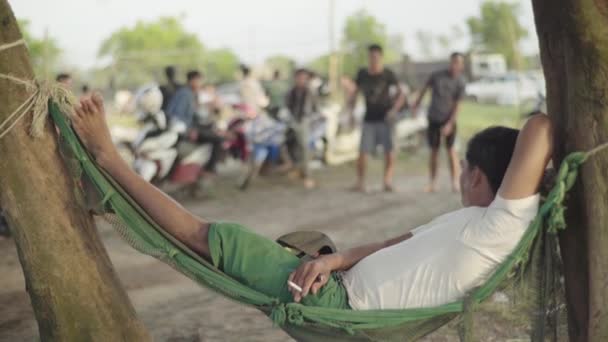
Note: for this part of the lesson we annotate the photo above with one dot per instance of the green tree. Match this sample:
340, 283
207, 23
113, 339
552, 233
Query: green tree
360, 30
320, 65
221, 65
44, 52
498, 30
284, 64
139, 53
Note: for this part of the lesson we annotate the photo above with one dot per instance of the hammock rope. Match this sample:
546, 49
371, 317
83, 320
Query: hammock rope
37, 102
302, 322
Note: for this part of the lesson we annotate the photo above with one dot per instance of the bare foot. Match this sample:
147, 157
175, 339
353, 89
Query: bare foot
431, 188
90, 124
309, 183
358, 188
294, 174
455, 187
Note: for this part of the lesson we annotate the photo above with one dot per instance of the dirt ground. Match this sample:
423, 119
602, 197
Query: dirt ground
175, 309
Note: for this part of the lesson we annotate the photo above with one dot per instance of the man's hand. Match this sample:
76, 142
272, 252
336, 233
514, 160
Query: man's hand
312, 275
447, 129
414, 110
193, 135
391, 117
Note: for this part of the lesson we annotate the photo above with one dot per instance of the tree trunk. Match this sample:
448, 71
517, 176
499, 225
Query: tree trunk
73, 289
573, 37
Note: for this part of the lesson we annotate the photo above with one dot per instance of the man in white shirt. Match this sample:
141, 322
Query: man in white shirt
434, 264
251, 91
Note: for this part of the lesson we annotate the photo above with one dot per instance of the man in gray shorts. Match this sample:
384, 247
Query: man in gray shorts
447, 88
383, 98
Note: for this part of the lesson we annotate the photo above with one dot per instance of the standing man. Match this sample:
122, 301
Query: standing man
169, 89
383, 98
276, 89
302, 105
447, 88
251, 90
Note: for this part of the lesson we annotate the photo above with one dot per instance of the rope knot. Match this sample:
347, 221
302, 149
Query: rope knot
557, 220
172, 252
278, 315
294, 315
107, 197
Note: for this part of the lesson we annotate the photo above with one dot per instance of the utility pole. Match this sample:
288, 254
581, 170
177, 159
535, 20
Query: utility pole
45, 55
333, 59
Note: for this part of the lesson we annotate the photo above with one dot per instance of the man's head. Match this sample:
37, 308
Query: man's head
170, 73
245, 70
276, 75
195, 80
302, 78
374, 57
488, 155
65, 79
456, 63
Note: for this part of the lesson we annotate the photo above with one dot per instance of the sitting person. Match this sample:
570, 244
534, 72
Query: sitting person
434, 264
266, 136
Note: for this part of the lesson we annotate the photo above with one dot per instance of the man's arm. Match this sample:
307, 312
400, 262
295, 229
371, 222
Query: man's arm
399, 102
400, 98
448, 127
350, 257
416, 105
313, 275
532, 153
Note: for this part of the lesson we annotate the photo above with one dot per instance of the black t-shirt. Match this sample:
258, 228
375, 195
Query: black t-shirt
301, 103
377, 92
168, 90
446, 92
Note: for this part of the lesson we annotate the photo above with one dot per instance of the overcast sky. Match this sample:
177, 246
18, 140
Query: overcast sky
254, 29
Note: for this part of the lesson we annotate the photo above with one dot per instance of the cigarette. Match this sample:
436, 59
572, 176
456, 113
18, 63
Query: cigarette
294, 286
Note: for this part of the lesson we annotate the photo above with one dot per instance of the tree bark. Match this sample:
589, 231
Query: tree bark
73, 288
573, 36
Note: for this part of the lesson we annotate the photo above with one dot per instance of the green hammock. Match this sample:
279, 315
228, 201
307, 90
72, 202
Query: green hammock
306, 323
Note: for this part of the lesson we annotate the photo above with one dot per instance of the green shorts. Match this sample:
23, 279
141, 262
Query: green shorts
264, 265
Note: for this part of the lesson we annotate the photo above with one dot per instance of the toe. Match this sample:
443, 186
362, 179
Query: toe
90, 109
78, 110
97, 101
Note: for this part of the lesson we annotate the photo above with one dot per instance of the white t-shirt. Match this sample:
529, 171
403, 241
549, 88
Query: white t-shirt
443, 260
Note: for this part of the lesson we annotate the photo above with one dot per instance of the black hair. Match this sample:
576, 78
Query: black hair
170, 72
491, 150
375, 48
62, 77
245, 70
192, 74
302, 71
456, 54
85, 88
276, 74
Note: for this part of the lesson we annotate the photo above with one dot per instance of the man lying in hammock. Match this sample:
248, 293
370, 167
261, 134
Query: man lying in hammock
434, 264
